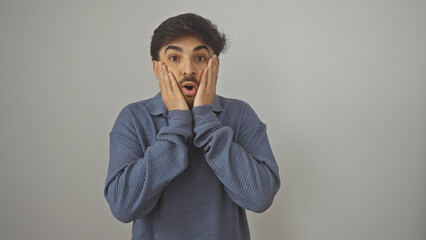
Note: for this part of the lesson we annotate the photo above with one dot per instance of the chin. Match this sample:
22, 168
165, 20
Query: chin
189, 101
190, 104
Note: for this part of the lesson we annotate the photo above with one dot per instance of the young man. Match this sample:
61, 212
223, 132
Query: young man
186, 163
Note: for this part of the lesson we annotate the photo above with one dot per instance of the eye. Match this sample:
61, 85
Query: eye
173, 58
200, 58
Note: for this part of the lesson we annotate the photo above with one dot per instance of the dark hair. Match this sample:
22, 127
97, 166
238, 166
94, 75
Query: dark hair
188, 24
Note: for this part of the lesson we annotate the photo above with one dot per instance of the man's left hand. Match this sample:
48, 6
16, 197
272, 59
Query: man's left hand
207, 88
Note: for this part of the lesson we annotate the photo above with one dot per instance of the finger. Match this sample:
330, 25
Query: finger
159, 77
174, 84
208, 72
210, 80
166, 80
215, 71
204, 76
159, 74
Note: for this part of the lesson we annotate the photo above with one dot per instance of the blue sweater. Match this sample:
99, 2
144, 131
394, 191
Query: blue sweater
189, 174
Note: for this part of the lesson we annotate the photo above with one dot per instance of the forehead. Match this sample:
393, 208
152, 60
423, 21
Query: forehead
186, 43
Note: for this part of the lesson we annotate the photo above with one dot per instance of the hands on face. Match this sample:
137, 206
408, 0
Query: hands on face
171, 92
207, 88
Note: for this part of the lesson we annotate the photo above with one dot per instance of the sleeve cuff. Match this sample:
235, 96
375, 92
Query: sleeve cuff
205, 122
180, 123
181, 119
204, 117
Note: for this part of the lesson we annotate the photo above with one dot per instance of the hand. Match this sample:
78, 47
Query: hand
207, 88
170, 91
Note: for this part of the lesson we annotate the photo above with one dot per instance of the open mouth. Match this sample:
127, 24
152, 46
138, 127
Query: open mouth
189, 88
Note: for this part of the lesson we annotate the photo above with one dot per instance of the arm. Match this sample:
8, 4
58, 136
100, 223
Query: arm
246, 167
136, 178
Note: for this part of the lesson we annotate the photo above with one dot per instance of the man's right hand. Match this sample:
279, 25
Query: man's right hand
170, 91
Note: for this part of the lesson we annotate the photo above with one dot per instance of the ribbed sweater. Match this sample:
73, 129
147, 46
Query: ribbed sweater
189, 174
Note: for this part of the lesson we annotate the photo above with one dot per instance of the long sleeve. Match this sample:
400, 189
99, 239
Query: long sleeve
245, 163
137, 176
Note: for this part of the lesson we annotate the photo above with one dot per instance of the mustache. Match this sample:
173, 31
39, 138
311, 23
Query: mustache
188, 79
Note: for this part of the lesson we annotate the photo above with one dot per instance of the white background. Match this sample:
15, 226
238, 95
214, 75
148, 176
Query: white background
341, 86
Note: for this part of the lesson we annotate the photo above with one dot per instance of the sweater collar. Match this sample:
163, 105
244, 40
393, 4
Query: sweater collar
156, 105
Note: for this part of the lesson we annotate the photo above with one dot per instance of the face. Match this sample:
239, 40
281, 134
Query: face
186, 59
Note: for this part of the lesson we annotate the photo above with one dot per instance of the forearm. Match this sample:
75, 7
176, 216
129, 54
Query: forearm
249, 173
135, 190
134, 184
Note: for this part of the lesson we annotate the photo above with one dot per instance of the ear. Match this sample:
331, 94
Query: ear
154, 67
154, 64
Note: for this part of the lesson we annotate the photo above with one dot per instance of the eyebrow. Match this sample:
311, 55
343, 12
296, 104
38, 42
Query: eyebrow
172, 47
180, 49
201, 47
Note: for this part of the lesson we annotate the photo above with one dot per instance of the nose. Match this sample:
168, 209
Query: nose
188, 68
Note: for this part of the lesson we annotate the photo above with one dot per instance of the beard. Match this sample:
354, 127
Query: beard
189, 99
188, 79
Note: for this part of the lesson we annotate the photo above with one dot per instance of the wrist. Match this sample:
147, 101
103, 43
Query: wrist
204, 116
181, 119
205, 124
176, 106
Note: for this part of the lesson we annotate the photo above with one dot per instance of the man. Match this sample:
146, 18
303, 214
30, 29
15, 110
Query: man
186, 163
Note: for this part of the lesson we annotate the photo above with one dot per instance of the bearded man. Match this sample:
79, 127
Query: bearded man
187, 163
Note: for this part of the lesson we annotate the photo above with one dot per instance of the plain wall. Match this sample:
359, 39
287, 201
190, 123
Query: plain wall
341, 86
